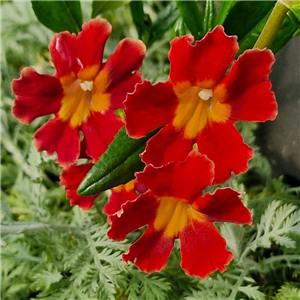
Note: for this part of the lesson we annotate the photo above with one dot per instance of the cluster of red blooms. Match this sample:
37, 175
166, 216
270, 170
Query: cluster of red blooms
206, 93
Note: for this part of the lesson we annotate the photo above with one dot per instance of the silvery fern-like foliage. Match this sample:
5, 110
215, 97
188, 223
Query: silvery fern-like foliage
277, 223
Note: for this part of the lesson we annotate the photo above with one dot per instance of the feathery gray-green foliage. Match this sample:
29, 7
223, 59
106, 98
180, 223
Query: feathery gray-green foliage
50, 250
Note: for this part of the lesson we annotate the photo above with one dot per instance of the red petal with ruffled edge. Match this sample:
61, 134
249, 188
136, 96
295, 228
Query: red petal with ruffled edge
118, 93
203, 249
185, 180
150, 252
247, 87
204, 64
119, 195
124, 62
58, 136
165, 146
70, 53
149, 107
224, 205
224, 145
99, 131
133, 215
70, 178
37, 95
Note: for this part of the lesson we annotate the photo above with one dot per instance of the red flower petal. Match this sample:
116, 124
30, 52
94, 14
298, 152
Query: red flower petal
120, 195
247, 87
63, 54
37, 95
150, 252
99, 131
165, 146
182, 180
205, 63
70, 53
224, 205
60, 137
224, 145
124, 62
70, 178
203, 249
119, 92
149, 107
134, 215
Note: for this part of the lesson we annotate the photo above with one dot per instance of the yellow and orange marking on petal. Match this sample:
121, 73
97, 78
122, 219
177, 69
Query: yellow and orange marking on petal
173, 214
82, 94
196, 108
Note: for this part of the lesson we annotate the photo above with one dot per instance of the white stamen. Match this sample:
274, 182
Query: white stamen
86, 85
205, 94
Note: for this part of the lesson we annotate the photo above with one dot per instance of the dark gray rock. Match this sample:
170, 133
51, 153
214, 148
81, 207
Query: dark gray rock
280, 139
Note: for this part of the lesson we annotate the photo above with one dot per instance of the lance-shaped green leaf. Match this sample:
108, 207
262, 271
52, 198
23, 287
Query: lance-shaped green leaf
99, 7
226, 6
178, 28
59, 15
245, 15
116, 166
208, 16
141, 20
166, 18
190, 13
294, 12
285, 33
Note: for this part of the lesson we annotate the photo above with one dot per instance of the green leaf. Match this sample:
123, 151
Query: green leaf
244, 16
116, 166
99, 7
59, 15
224, 11
166, 18
141, 20
190, 13
248, 41
208, 16
247, 22
286, 32
178, 28
295, 9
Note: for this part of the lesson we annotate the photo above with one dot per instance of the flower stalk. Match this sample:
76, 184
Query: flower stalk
272, 26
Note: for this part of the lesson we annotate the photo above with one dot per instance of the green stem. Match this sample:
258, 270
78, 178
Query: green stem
272, 26
37, 227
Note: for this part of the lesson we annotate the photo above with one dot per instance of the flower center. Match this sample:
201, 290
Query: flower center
193, 115
205, 94
81, 97
86, 85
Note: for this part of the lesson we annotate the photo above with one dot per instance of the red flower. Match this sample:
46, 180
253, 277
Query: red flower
83, 94
121, 194
70, 178
174, 207
201, 102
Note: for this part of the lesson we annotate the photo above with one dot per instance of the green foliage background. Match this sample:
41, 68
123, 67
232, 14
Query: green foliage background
50, 250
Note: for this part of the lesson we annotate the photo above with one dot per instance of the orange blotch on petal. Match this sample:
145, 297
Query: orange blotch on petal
172, 216
75, 103
102, 81
197, 106
221, 93
83, 95
89, 73
100, 102
219, 112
